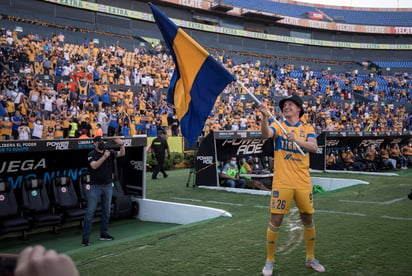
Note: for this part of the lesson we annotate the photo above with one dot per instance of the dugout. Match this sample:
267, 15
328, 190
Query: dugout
219, 146
339, 140
45, 159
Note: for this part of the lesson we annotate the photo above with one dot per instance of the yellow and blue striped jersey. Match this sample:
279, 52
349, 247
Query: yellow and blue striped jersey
291, 168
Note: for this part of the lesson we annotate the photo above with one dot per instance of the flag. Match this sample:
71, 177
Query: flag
197, 80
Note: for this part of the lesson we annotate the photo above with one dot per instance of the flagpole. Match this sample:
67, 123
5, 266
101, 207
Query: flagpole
271, 115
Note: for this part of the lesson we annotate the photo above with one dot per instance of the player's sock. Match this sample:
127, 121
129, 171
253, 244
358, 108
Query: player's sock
272, 235
309, 234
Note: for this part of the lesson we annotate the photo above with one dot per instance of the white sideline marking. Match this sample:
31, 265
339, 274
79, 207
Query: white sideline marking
293, 227
341, 213
393, 201
225, 203
374, 202
357, 172
187, 199
260, 206
396, 218
209, 201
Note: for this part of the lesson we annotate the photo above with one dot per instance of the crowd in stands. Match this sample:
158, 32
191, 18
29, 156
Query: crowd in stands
371, 158
51, 89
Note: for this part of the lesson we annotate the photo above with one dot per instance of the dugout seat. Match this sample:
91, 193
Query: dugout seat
122, 205
36, 205
84, 187
65, 200
11, 217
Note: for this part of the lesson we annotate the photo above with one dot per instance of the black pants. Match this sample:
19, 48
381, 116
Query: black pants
111, 131
159, 166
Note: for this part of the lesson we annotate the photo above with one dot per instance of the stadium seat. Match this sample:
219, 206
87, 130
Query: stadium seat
122, 205
65, 199
36, 205
11, 219
84, 187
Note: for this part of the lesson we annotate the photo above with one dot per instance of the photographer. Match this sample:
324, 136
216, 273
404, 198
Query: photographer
101, 165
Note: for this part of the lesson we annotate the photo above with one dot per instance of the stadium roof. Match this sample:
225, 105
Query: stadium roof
393, 4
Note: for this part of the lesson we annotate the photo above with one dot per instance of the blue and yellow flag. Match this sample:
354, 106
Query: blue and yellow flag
197, 80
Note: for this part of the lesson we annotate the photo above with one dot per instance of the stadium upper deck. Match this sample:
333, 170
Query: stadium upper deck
351, 16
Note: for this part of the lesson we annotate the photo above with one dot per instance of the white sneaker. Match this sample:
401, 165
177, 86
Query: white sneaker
315, 265
267, 269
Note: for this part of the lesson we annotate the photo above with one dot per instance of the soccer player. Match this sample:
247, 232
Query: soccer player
291, 180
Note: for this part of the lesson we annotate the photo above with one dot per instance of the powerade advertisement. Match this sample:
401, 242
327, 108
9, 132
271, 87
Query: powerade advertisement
219, 146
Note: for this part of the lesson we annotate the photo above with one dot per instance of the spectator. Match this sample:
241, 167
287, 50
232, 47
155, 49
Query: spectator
50, 133
113, 123
83, 134
386, 161
370, 158
37, 129
407, 151
73, 127
16, 120
396, 154
24, 131
174, 125
98, 131
6, 128
333, 161
245, 168
230, 175
350, 161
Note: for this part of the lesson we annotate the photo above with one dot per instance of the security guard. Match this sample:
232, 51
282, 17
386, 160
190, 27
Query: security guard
158, 148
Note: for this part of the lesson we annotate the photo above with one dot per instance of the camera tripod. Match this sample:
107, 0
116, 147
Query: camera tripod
194, 172
189, 177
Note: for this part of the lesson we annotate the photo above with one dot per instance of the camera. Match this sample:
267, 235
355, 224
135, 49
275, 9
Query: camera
410, 195
113, 153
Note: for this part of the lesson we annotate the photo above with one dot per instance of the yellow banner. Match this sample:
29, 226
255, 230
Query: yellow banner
175, 143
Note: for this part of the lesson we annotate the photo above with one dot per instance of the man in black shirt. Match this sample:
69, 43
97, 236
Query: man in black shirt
158, 148
101, 168
174, 125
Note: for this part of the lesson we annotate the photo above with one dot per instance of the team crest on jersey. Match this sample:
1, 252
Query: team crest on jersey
302, 133
275, 194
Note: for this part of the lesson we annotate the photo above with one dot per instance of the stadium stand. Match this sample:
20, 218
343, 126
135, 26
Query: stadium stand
120, 84
381, 18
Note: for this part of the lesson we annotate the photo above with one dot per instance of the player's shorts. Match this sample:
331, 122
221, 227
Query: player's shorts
281, 200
